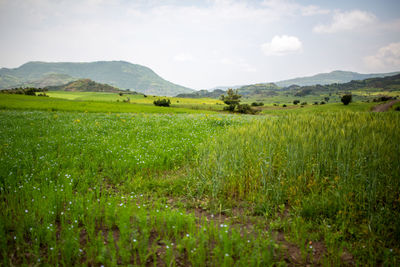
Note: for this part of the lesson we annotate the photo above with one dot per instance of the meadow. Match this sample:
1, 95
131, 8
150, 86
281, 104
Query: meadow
191, 103
316, 185
23, 102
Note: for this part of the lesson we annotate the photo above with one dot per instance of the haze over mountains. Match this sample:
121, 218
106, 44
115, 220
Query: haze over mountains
125, 75
120, 74
336, 76
384, 82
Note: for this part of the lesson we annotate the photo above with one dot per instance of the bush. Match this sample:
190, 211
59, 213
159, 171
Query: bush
257, 104
162, 102
346, 99
322, 103
229, 108
284, 105
245, 109
383, 98
304, 103
296, 101
316, 103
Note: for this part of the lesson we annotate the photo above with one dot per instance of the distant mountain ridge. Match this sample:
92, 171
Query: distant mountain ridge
121, 74
386, 83
336, 76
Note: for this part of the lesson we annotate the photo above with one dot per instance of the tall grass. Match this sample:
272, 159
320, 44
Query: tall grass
338, 169
76, 189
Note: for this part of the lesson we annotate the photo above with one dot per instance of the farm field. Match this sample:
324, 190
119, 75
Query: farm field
199, 103
57, 104
126, 184
288, 97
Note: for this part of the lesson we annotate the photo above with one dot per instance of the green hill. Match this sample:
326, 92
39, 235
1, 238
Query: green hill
258, 89
332, 77
203, 93
389, 83
121, 74
84, 85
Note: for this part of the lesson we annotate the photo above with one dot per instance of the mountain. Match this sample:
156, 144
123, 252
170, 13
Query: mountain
331, 77
388, 83
204, 93
51, 79
119, 74
84, 85
224, 88
258, 89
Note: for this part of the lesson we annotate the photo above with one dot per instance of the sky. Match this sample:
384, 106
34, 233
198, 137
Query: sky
210, 43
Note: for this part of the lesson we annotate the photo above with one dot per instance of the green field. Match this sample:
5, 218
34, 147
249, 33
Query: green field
58, 104
97, 182
199, 103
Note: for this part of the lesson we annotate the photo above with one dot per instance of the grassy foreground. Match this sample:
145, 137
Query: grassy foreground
57, 104
198, 189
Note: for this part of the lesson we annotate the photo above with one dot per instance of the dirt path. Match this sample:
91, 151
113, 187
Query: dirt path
385, 106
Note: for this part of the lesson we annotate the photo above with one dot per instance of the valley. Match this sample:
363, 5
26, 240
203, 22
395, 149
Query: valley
93, 177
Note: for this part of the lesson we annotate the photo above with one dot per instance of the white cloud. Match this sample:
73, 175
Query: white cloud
386, 59
282, 45
313, 10
347, 21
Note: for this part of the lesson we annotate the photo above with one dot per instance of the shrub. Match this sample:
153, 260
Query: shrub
322, 103
383, 98
316, 103
229, 108
346, 99
257, 104
162, 102
296, 101
304, 103
284, 105
245, 109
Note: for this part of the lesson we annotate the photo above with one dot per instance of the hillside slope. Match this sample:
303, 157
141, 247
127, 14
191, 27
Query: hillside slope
84, 85
121, 74
332, 77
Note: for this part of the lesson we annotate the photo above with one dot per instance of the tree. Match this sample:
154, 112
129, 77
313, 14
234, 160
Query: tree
346, 99
232, 99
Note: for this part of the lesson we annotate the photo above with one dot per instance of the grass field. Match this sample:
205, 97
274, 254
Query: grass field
58, 104
198, 103
135, 184
288, 98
